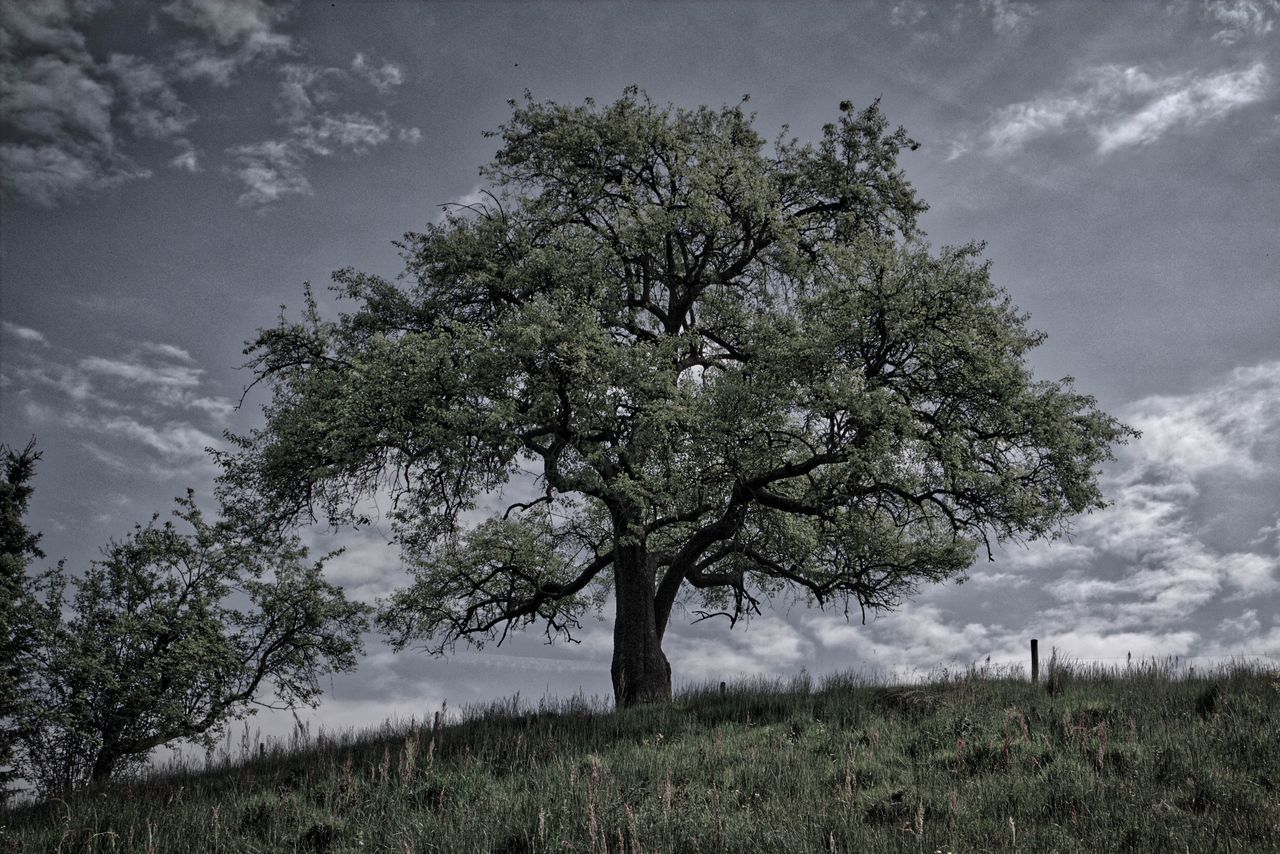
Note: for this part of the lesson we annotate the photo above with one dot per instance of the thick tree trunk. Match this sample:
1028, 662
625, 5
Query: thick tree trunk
641, 673
103, 767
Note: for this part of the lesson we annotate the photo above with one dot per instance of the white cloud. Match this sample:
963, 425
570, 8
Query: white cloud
24, 333
918, 633
219, 408
306, 103
175, 441
907, 13
765, 646
270, 170
1122, 107
1005, 17
187, 161
1146, 576
201, 62
249, 23
1111, 646
354, 132
136, 372
304, 89
1038, 554
168, 351
1190, 103
236, 33
1240, 19
45, 25
1008, 16
1155, 567
1232, 425
145, 411
384, 77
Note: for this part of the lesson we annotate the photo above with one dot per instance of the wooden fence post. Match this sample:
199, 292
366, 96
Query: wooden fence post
1035, 660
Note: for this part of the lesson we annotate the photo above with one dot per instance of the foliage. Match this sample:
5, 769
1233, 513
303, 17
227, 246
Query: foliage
169, 637
969, 762
18, 547
735, 374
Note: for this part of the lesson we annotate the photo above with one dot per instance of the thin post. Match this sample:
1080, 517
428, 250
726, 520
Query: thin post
1035, 660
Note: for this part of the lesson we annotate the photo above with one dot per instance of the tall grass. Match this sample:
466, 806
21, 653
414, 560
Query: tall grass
1146, 757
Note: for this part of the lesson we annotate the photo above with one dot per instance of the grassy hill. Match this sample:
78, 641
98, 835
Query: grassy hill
1091, 761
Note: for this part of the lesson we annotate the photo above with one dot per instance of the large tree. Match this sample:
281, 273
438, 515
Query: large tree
168, 637
734, 371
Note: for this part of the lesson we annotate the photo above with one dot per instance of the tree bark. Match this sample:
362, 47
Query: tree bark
641, 673
103, 766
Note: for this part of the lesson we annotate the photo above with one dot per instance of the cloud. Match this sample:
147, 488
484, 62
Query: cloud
270, 170
187, 161
1149, 575
1154, 565
907, 13
71, 120
930, 21
24, 333
766, 646
168, 351
354, 132
65, 115
307, 103
1008, 16
927, 635
55, 112
174, 441
384, 77
1232, 425
150, 107
148, 410
1241, 19
1191, 103
137, 373
235, 33
1121, 108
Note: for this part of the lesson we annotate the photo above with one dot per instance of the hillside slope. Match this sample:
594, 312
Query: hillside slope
1093, 761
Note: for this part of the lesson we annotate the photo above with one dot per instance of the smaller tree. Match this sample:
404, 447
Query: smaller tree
19, 545
169, 637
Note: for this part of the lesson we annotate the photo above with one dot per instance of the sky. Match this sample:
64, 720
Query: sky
171, 174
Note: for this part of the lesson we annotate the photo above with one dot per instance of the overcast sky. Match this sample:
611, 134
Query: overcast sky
173, 173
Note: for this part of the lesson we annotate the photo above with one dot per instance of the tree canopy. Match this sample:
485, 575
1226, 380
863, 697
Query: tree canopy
170, 636
735, 370
19, 545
